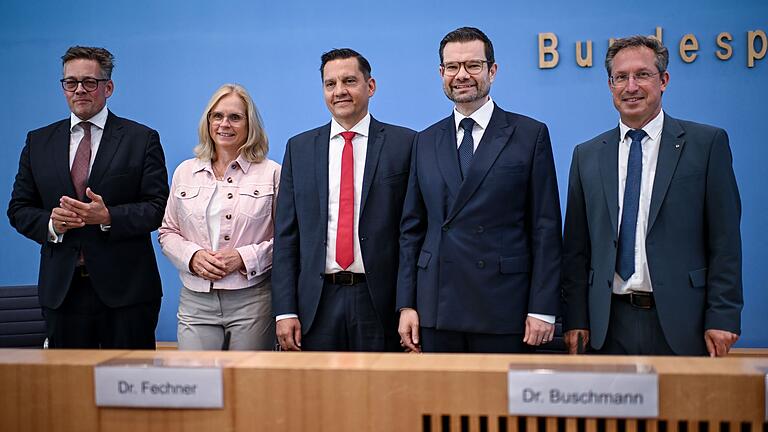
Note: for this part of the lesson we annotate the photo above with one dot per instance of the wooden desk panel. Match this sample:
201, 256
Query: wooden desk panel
52, 390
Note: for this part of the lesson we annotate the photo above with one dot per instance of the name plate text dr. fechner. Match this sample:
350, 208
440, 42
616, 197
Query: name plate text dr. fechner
153, 385
630, 391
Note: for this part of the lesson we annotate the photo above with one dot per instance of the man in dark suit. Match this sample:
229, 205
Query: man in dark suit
652, 249
337, 221
480, 235
90, 189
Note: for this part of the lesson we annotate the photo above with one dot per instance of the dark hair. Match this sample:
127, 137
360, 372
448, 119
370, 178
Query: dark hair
659, 50
469, 34
345, 53
105, 58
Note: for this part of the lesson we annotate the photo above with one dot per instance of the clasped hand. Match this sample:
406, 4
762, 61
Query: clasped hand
214, 265
72, 213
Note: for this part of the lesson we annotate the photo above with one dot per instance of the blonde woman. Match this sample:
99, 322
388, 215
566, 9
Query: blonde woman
218, 229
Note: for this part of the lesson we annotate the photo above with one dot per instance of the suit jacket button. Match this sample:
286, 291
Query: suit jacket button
229, 179
255, 192
229, 195
183, 194
363, 238
446, 228
226, 238
481, 264
253, 273
229, 216
479, 229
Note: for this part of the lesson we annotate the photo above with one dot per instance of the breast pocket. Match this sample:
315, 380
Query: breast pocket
255, 200
189, 202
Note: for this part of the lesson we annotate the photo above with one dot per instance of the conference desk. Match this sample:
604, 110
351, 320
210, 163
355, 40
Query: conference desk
53, 390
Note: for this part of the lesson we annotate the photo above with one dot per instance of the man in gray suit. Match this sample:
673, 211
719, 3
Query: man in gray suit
652, 245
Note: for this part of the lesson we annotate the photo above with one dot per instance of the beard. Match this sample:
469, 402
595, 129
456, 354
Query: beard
481, 90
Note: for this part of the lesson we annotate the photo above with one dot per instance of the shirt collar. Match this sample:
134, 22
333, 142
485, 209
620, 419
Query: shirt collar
482, 116
100, 119
361, 128
205, 165
652, 129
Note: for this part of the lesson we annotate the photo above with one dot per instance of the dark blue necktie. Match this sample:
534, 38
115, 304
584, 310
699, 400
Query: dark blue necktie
467, 147
625, 258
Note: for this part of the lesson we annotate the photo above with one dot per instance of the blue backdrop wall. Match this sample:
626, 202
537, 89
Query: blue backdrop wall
171, 56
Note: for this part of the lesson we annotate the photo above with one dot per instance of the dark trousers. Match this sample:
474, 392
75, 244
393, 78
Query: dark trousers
347, 321
634, 331
446, 341
84, 321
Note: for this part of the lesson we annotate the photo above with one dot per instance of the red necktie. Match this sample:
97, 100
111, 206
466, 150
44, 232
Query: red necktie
345, 254
79, 171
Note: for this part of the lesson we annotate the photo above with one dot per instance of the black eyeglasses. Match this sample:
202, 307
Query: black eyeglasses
473, 67
89, 84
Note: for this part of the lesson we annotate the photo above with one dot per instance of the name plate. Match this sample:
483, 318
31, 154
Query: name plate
583, 391
157, 384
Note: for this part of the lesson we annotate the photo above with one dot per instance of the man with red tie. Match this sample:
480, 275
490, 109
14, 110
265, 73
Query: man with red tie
90, 189
337, 221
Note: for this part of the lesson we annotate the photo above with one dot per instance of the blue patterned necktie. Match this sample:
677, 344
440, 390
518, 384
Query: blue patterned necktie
625, 258
467, 147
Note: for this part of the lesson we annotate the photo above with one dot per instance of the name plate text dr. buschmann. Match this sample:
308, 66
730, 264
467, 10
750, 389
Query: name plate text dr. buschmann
153, 385
583, 391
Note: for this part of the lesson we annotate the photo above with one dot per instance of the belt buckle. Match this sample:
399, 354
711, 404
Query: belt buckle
344, 278
640, 301
82, 271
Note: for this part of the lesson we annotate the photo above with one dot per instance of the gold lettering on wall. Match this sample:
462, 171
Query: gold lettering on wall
548, 50
726, 51
757, 48
688, 47
581, 60
753, 55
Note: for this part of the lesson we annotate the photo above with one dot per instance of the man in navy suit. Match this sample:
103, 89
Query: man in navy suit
480, 234
90, 189
337, 221
652, 248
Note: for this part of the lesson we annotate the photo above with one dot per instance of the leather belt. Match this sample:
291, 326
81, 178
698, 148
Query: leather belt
344, 278
640, 300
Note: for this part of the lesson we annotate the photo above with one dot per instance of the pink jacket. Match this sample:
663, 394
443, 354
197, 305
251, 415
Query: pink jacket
247, 219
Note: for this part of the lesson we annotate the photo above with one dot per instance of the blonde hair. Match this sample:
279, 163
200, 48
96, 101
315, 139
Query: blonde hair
256, 146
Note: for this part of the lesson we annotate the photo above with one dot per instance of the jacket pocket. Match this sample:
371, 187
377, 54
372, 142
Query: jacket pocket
698, 278
424, 258
518, 264
255, 199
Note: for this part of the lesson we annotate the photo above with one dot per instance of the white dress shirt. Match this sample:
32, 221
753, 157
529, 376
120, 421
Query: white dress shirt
76, 133
482, 116
335, 148
640, 280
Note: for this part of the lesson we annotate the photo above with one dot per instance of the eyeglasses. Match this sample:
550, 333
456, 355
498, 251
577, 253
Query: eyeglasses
89, 84
218, 118
621, 80
473, 67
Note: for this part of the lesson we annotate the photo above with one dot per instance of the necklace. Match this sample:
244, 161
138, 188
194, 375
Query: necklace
216, 173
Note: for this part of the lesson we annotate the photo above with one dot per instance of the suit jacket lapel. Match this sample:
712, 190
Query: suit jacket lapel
321, 170
60, 140
110, 142
495, 138
448, 157
375, 143
671, 147
609, 171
